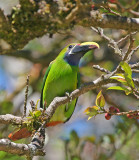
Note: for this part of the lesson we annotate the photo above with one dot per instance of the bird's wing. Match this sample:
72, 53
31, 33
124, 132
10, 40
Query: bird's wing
78, 85
44, 80
78, 80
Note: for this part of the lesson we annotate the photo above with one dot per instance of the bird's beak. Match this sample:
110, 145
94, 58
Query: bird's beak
84, 47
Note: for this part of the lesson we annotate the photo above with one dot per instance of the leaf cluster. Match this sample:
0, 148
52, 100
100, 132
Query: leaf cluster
125, 79
98, 109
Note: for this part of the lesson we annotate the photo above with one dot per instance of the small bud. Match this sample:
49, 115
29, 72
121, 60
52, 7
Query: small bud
93, 6
117, 110
137, 115
112, 109
107, 116
129, 116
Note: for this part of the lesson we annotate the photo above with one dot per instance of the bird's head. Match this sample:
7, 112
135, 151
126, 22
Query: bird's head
74, 52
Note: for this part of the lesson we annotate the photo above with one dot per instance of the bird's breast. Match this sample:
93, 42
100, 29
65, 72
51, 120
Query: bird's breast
61, 79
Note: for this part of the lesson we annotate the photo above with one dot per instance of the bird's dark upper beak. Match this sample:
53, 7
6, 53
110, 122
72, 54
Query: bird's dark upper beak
84, 47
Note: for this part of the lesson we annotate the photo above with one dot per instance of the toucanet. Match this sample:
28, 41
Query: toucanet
61, 77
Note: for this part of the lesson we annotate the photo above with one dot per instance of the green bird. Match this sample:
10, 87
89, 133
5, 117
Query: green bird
62, 76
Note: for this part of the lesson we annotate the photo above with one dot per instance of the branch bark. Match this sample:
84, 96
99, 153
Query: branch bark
19, 149
11, 119
115, 22
24, 22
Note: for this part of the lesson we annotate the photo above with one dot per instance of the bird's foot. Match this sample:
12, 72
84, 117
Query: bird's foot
68, 96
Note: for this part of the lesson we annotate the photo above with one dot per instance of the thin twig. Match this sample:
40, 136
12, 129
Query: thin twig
134, 12
136, 93
32, 103
125, 113
125, 57
106, 6
125, 38
101, 69
123, 9
112, 43
134, 66
135, 70
26, 96
132, 52
74, 11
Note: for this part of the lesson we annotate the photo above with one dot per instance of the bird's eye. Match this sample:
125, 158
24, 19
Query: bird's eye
70, 46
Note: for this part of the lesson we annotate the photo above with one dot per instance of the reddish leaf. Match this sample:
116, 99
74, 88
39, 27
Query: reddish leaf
21, 133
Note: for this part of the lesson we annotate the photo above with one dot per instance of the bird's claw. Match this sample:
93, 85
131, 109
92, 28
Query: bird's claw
68, 96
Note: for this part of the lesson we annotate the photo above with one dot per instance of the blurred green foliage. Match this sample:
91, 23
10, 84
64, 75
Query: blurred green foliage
7, 156
120, 144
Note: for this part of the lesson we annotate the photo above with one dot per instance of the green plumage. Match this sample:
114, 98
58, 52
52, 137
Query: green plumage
60, 78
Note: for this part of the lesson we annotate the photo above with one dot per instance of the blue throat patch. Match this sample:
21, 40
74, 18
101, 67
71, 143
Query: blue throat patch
73, 59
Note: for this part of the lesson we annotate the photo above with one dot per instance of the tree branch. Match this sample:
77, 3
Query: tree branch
18, 28
26, 96
112, 43
11, 119
114, 22
101, 69
135, 66
20, 149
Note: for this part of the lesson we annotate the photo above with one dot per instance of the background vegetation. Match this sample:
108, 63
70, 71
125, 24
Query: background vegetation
32, 33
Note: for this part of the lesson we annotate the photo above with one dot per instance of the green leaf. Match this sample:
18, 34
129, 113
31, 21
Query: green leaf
118, 88
128, 74
92, 111
74, 137
31, 113
37, 104
89, 118
73, 141
100, 101
126, 68
127, 91
120, 79
120, 74
129, 81
37, 113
